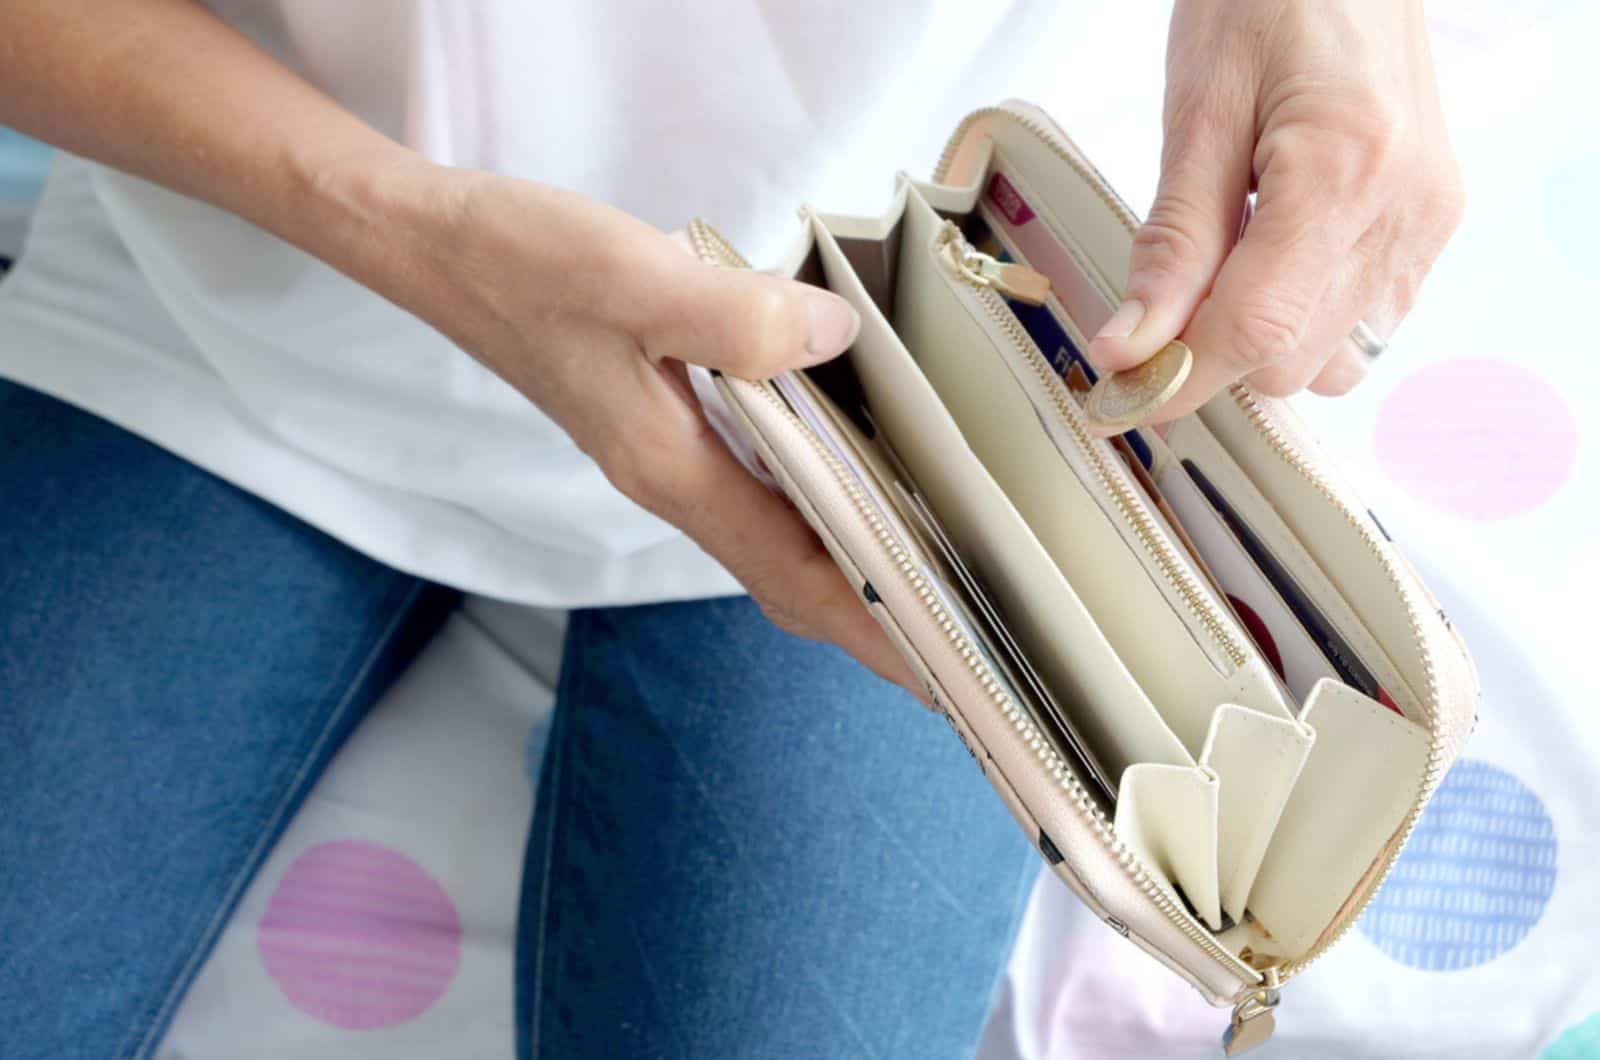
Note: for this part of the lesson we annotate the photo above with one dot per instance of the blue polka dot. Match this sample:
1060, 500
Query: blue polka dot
1572, 215
1581, 1041
1475, 877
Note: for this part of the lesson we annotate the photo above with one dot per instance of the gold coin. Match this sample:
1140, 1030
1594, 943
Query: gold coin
1125, 399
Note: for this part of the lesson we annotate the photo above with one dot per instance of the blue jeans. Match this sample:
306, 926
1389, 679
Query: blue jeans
744, 845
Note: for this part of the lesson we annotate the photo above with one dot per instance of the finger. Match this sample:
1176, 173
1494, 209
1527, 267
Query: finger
1351, 361
744, 323
1409, 253
775, 555
756, 535
680, 239
1363, 288
1194, 222
1330, 354
697, 485
1343, 373
1261, 310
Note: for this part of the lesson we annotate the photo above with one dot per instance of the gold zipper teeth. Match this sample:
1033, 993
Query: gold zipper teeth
710, 247
1432, 771
1269, 433
713, 249
1019, 720
1181, 580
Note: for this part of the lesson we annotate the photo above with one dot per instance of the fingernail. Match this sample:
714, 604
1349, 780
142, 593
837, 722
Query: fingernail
1123, 321
831, 324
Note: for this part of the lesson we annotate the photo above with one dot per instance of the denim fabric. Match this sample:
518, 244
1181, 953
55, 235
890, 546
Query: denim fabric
178, 661
745, 845
24, 163
23, 166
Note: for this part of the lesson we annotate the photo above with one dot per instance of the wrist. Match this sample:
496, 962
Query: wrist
378, 213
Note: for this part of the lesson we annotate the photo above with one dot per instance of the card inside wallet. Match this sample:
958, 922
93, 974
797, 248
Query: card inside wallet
1154, 602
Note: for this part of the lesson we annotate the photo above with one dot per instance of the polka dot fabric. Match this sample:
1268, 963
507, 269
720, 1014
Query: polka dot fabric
359, 936
381, 926
1474, 879
1477, 438
1473, 438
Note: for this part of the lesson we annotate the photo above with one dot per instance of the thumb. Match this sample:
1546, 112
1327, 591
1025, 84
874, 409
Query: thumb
744, 323
1199, 206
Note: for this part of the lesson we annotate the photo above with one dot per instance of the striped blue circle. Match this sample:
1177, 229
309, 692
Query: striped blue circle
1581, 1041
1475, 877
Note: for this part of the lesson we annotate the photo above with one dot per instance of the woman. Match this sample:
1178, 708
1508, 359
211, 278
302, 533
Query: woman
371, 278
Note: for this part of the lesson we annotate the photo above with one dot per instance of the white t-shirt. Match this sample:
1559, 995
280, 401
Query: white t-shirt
246, 356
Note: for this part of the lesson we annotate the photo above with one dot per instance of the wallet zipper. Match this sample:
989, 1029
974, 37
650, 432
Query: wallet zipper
1019, 720
1260, 418
987, 284
1012, 279
713, 249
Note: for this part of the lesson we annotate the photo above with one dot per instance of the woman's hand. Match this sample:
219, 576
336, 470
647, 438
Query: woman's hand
1328, 111
593, 314
585, 310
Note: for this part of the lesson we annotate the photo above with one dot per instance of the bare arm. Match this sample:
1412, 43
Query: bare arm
579, 306
165, 90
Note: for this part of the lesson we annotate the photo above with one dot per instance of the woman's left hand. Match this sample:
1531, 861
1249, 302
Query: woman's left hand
1328, 110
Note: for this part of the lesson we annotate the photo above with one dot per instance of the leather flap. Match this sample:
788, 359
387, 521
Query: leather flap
1359, 783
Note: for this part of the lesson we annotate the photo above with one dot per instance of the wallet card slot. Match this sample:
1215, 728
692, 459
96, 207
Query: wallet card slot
876, 263
1049, 619
1097, 243
1006, 428
1023, 219
1359, 783
1059, 337
1321, 526
1257, 759
901, 507
1072, 840
1168, 816
1078, 209
1208, 828
1077, 376
1190, 439
1076, 199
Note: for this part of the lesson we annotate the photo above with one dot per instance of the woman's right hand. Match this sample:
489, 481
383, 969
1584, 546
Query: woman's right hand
592, 314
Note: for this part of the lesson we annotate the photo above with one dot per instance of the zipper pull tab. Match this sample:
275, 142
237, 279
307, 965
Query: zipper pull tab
1012, 279
1253, 1021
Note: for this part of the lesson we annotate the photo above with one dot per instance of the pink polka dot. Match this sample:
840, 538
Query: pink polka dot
1479, 438
359, 936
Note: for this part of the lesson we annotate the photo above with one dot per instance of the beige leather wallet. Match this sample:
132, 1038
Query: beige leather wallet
1201, 676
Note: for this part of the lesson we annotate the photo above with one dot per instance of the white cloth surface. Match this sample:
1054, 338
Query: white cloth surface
273, 371
1473, 441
